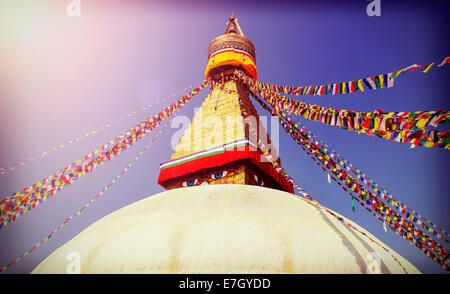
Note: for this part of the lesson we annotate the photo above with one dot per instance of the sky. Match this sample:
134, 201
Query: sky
62, 76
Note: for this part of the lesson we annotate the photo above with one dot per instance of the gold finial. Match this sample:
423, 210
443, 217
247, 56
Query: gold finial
232, 24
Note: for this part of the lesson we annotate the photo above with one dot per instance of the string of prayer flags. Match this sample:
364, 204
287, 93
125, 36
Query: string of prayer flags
404, 231
437, 255
371, 83
377, 119
302, 193
314, 202
14, 206
83, 208
4, 170
367, 199
341, 219
401, 232
377, 189
304, 133
401, 127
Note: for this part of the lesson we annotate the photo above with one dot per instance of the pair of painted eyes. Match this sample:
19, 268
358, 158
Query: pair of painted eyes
258, 180
194, 182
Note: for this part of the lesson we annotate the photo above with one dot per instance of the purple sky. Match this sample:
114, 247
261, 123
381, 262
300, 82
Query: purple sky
64, 76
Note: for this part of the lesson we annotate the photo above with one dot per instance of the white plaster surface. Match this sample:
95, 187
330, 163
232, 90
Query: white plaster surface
222, 229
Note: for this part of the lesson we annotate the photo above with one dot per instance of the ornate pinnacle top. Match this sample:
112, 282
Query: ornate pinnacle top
231, 39
232, 24
232, 50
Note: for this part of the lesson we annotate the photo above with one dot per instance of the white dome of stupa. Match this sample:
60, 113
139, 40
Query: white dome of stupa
223, 229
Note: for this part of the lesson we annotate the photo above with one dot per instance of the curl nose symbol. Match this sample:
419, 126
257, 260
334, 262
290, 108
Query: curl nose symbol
204, 183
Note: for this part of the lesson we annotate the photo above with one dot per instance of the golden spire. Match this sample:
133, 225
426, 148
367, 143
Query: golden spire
232, 24
217, 147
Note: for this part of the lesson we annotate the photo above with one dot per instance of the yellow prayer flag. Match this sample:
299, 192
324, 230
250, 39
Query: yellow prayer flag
376, 123
306, 114
360, 85
428, 67
421, 123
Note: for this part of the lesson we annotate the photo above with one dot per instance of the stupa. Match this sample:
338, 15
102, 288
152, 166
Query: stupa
226, 209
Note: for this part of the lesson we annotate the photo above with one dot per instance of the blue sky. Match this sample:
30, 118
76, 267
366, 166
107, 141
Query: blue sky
63, 76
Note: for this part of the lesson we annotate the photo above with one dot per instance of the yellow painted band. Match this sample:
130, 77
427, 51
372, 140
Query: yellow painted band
232, 58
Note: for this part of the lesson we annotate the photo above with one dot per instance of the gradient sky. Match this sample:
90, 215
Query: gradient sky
63, 76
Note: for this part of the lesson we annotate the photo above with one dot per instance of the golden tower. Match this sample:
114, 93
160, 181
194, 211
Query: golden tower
217, 147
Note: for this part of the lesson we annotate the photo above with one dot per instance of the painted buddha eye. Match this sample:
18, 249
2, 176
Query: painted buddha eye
259, 181
189, 183
218, 175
